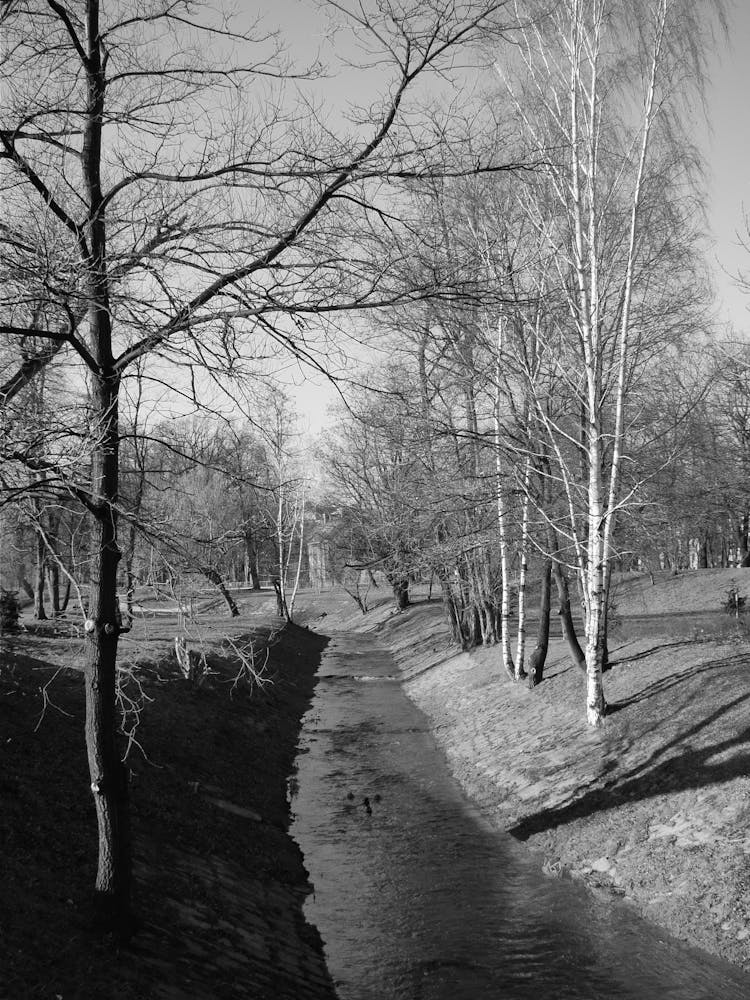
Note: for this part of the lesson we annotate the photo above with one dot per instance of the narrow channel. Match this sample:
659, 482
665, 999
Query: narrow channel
417, 897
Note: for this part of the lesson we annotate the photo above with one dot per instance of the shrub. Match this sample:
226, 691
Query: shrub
734, 602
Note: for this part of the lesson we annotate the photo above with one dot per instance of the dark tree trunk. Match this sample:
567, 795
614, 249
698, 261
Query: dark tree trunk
41, 565
251, 562
474, 624
724, 557
400, 588
280, 603
743, 531
107, 772
454, 618
65, 597
604, 623
451, 609
53, 563
490, 613
214, 577
703, 553
539, 656
53, 585
566, 617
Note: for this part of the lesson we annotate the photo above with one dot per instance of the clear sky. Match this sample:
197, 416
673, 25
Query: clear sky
728, 154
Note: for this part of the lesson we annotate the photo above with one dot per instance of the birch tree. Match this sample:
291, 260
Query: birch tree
502, 518
603, 83
286, 481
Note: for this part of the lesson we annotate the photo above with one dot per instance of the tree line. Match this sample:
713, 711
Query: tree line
202, 505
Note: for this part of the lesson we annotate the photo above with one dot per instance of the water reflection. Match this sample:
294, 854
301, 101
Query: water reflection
418, 897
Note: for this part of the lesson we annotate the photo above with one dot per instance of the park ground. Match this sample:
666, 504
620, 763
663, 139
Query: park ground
653, 808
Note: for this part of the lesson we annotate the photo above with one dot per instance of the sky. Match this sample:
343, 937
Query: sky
727, 147
723, 133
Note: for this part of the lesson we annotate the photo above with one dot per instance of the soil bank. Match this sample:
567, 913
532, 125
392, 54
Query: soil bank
219, 884
654, 807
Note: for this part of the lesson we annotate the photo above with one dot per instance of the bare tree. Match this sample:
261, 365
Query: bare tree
603, 81
372, 476
286, 483
188, 215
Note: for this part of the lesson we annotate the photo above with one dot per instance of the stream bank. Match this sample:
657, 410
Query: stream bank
419, 897
654, 808
219, 883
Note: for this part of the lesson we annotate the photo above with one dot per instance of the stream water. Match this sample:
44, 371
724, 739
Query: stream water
417, 897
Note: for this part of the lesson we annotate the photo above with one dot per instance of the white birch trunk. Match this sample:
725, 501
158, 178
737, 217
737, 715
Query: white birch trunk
584, 54
603, 505
299, 558
505, 650
520, 672
594, 586
281, 547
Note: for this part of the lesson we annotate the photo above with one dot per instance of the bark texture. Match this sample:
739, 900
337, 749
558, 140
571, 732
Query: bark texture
566, 617
538, 656
108, 775
214, 577
400, 587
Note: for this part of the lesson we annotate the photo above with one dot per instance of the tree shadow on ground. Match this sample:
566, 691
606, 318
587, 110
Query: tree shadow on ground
645, 653
673, 766
664, 684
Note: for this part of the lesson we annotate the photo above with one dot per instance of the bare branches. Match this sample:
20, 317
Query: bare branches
7, 139
47, 700
70, 28
29, 368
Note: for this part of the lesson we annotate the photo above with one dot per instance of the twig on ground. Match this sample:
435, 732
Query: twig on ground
47, 701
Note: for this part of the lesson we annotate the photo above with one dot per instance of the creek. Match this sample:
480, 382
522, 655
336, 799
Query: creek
418, 897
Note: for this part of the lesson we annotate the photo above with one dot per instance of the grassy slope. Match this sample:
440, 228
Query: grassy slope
656, 806
219, 883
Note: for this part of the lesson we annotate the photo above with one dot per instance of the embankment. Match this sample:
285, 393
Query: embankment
219, 884
655, 807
